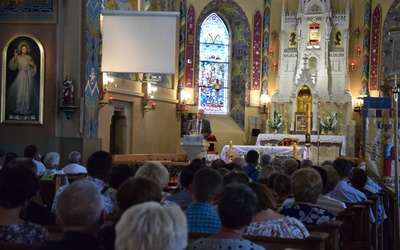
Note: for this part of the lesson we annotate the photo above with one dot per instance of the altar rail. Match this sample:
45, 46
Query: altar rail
165, 159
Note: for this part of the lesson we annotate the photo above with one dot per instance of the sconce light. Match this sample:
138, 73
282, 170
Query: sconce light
181, 107
106, 81
352, 66
274, 34
264, 100
358, 51
270, 52
275, 66
102, 104
357, 32
148, 93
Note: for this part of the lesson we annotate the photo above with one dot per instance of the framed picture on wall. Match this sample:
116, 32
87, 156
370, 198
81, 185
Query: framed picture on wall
300, 122
22, 83
38, 11
292, 39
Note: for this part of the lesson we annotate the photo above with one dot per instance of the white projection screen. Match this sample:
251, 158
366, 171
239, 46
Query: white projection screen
139, 41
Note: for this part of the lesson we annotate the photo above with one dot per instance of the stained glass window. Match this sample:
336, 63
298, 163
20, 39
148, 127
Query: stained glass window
213, 66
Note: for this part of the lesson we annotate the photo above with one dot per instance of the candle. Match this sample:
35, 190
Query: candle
323, 109
286, 109
308, 127
340, 108
331, 108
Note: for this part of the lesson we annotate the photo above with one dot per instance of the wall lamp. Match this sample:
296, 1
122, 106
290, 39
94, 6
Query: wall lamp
107, 80
102, 104
148, 93
358, 51
275, 65
270, 52
352, 64
264, 101
181, 107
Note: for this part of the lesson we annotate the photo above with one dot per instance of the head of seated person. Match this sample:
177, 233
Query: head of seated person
252, 158
265, 159
186, 175
217, 163
237, 205
306, 185
289, 165
206, 185
151, 226
238, 160
99, 165
155, 171
80, 207
23, 162
52, 160
282, 186
18, 185
265, 198
137, 190
332, 178
119, 174
235, 177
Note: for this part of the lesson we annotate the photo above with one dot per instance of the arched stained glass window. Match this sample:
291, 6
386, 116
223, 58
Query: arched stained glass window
213, 66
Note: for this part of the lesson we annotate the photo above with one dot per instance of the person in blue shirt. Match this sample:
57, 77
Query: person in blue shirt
251, 163
201, 216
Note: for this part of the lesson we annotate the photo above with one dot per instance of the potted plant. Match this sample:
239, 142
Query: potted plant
276, 121
328, 123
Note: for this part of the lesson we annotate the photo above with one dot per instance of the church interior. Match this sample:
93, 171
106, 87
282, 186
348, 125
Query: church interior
264, 72
325, 54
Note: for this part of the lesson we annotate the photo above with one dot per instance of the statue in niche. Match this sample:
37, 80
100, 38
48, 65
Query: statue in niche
68, 92
338, 39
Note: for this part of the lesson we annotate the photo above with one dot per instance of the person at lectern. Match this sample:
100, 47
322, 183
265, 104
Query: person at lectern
199, 125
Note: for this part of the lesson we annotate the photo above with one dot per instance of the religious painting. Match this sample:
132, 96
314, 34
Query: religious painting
292, 39
313, 34
22, 82
38, 11
337, 38
300, 122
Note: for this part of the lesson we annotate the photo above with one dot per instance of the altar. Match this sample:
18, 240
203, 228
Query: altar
323, 147
241, 150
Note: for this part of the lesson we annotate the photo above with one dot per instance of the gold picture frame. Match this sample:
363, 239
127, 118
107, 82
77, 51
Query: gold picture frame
22, 83
300, 122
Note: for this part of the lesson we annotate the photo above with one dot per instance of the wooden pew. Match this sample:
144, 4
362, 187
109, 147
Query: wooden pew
356, 230
8, 246
316, 241
56, 232
48, 189
333, 229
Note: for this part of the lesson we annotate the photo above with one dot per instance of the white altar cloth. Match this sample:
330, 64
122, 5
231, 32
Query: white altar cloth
334, 139
239, 150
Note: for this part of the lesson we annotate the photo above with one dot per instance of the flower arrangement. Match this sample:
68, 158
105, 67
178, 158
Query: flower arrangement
276, 121
329, 122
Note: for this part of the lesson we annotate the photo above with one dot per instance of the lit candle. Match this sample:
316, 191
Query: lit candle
323, 109
341, 108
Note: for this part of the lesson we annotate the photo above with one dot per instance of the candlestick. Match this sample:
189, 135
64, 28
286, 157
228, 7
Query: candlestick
230, 151
285, 131
340, 118
294, 150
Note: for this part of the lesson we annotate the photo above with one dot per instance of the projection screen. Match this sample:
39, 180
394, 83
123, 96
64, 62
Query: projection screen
139, 41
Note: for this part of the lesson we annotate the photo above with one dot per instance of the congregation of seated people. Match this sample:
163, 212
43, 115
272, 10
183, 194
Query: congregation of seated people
123, 207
